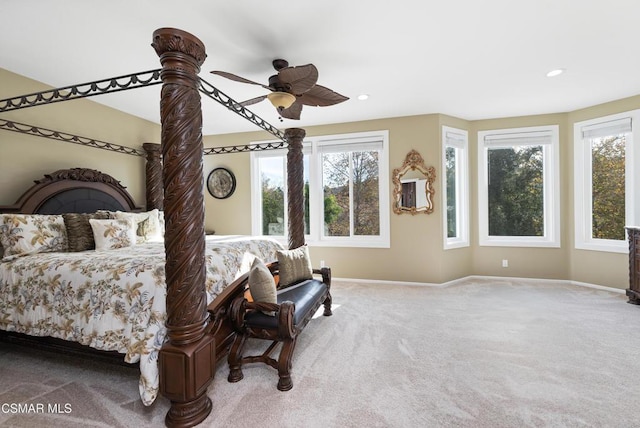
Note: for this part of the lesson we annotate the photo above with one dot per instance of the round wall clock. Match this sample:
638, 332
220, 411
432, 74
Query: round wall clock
221, 183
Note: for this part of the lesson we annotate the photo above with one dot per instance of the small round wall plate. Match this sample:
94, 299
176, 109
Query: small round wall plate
221, 183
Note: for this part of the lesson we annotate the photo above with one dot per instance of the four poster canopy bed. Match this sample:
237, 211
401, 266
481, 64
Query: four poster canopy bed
83, 263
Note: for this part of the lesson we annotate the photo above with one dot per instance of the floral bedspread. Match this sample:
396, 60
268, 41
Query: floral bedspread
112, 300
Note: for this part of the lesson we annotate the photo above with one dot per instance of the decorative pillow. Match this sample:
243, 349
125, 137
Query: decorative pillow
113, 233
262, 285
147, 224
295, 265
22, 234
79, 232
106, 213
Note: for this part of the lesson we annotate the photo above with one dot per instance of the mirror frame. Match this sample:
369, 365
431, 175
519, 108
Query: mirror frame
413, 161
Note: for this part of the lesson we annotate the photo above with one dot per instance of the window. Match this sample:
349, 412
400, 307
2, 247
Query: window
604, 182
455, 185
271, 173
518, 187
346, 191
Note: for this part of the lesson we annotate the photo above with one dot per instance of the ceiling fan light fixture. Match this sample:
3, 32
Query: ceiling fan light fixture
281, 100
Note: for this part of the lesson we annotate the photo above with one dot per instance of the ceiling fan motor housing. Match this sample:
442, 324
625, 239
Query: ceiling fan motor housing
277, 85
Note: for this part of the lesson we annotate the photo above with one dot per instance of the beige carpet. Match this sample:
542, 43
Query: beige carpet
481, 354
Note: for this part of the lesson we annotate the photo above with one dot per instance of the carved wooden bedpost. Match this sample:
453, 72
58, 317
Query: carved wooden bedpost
187, 360
295, 186
155, 192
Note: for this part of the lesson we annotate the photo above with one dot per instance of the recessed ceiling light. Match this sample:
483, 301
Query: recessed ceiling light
363, 97
556, 72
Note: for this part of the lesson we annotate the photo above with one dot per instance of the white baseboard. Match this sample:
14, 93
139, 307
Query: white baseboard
388, 282
480, 277
599, 287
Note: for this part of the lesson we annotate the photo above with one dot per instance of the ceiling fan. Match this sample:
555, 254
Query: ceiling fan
291, 88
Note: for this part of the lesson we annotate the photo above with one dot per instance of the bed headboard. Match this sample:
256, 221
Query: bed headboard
75, 190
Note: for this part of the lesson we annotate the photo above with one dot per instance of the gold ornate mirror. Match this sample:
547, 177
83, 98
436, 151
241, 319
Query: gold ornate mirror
413, 186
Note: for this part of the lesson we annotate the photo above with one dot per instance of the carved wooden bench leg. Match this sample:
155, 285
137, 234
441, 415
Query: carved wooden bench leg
284, 364
327, 306
235, 359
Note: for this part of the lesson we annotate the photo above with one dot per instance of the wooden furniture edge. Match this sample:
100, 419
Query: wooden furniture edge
69, 179
633, 292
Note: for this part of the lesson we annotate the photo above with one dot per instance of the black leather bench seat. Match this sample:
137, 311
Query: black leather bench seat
305, 295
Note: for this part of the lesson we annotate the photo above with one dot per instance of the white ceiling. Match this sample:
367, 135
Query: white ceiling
465, 58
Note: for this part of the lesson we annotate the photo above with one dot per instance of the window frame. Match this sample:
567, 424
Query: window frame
583, 206
461, 146
312, 147
551, 176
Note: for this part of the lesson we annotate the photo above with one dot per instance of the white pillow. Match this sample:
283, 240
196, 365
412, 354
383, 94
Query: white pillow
147, 224
22, 234
113, 233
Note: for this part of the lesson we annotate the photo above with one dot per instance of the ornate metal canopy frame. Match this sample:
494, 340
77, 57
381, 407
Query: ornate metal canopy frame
23, 128
82, 90
123, 83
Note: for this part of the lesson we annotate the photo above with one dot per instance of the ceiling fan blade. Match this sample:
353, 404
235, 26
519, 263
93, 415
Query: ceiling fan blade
299, 79
235, 78
252, 100
292, 112
319, 96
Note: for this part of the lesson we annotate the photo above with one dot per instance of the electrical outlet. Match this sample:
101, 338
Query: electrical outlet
505, 263
321, 263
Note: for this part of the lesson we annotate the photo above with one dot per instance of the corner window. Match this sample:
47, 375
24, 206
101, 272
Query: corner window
604, 176
518, 187
346, 191
455, 185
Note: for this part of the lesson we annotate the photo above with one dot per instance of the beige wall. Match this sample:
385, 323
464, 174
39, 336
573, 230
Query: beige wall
416, 242
416, 252
25, 158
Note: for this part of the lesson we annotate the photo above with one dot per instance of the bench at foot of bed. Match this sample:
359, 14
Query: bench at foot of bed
296, 305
